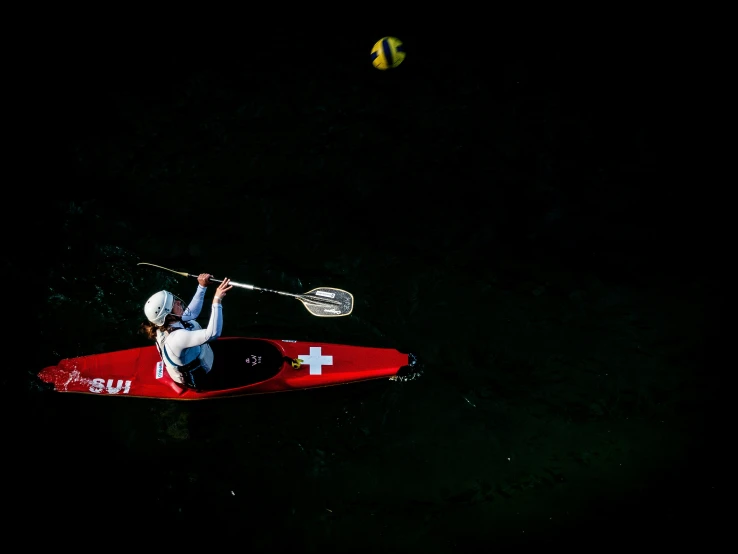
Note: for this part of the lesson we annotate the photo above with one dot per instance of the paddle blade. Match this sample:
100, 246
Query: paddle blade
328, 302
182, 273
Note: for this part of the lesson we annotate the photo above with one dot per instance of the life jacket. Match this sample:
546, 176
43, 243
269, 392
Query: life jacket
193, 371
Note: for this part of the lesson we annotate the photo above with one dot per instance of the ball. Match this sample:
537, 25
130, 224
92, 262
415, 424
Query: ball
387, 53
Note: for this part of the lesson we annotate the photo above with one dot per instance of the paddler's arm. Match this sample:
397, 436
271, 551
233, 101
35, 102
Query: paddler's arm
215, 325
198, 299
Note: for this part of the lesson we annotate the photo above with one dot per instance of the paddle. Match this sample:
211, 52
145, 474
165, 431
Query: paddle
323, 301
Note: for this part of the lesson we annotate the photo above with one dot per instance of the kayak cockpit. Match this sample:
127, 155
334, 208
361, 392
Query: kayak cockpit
241, 362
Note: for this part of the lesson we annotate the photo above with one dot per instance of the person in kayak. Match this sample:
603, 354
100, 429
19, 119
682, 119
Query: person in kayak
182, 341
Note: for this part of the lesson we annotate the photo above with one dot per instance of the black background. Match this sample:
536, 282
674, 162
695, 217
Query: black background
494, 183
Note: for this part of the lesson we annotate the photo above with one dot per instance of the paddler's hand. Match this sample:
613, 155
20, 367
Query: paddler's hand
220, 292
204, 279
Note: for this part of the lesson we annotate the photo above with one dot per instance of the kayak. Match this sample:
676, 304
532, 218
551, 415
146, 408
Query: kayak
244, 365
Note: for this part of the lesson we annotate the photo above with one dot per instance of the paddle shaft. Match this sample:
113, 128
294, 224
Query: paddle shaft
252, 287
302, 297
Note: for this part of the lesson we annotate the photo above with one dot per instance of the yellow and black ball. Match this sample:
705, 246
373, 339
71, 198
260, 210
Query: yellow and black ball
387, 53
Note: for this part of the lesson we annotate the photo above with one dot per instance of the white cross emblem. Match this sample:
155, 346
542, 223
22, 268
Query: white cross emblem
316, 360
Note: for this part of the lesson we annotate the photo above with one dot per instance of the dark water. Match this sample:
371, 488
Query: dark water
503, 215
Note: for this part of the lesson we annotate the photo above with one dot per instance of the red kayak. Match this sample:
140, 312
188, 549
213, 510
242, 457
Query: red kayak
250, 366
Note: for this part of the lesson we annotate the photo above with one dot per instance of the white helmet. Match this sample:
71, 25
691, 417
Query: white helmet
159, 306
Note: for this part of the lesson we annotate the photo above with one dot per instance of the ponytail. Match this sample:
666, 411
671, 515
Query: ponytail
149, 329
